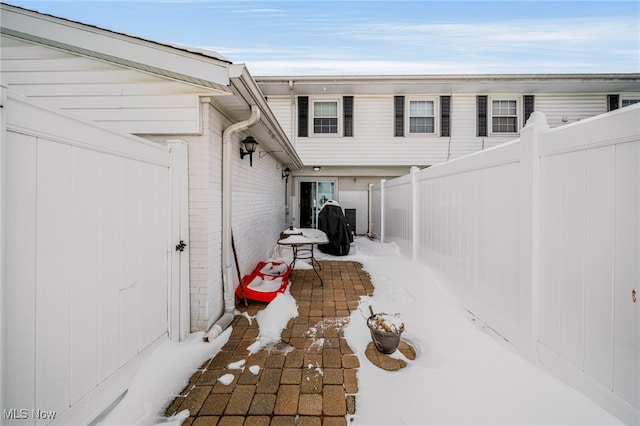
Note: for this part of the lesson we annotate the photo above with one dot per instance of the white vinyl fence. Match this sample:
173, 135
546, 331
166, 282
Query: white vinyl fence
540, 238
86, 262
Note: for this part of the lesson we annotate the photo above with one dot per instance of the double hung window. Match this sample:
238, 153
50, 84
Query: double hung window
504, 116
325, 117
422, 117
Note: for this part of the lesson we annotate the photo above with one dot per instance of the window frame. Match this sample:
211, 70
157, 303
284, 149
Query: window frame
517, 115
436, 116
633, 99
312, 117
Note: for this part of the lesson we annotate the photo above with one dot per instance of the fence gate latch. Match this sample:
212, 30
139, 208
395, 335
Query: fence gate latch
181, 246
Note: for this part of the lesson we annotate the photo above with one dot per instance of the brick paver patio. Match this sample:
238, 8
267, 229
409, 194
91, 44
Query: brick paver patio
308, 379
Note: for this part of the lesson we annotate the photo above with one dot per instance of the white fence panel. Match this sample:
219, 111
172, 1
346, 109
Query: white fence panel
375, 198
590, 246
470, 229
85, 285
397, 218
540, 238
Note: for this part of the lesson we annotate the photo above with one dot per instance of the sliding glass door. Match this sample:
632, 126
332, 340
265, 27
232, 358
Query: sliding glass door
313, 195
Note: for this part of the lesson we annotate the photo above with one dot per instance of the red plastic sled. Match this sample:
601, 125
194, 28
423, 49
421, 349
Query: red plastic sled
267, 280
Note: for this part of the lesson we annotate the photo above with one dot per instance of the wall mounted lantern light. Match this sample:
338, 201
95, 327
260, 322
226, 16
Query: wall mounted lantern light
286, 173
250, 145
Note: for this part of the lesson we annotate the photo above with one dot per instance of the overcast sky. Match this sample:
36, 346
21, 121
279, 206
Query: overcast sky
382, 37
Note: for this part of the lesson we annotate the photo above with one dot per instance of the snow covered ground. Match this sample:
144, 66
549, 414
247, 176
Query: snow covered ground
460, 376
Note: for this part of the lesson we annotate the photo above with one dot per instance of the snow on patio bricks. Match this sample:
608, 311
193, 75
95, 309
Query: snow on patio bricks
310, 375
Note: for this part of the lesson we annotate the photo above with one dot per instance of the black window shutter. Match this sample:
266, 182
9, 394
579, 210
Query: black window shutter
529, 106
303, 116
481, 102
347, 112
445, 115
613, 102
399, 115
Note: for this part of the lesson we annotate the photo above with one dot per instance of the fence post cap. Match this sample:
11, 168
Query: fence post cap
537, 118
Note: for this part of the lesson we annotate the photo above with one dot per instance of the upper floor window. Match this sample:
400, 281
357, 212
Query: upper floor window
422, 117
627, 102
504, 116
325, 117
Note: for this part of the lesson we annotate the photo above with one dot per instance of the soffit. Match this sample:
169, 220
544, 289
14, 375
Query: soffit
399, 85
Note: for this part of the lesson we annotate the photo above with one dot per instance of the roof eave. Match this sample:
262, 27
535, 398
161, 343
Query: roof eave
244, 85
161, 59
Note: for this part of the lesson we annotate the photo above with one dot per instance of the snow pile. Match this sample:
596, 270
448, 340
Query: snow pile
273, 319
161, 378
274, 268
265, 284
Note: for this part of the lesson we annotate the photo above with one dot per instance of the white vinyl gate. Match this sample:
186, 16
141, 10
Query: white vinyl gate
87, 255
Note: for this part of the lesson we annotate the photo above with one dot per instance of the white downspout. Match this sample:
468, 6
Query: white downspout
227, 276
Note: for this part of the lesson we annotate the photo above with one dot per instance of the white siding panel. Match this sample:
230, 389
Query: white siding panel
573, 107
140, 115
599, 246
463, 126
283, 110
126, 100
71, 76
53, 271
157, 102
373, 142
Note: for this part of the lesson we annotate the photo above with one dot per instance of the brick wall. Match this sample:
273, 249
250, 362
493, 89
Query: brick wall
205, 218
258, 208
258, 213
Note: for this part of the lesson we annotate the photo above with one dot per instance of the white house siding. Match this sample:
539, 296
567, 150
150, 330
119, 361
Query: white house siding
122, 99
572, 107
373, 142
283, 110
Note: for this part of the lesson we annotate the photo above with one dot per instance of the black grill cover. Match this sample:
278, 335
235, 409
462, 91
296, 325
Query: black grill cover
332, 222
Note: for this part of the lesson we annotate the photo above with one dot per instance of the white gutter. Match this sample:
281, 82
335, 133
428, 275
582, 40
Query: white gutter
227, 276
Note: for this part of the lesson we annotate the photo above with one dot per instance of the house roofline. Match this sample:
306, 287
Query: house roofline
448, 77
449, 84
245, 86
195, 66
